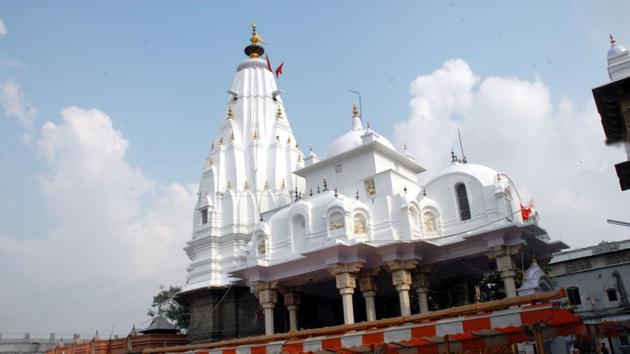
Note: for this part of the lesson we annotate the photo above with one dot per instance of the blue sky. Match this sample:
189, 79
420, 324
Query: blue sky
160, 69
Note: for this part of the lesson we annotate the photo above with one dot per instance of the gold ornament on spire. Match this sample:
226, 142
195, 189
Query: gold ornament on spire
279, 113
355, 110
246, 185
266, 184
230, 114
612, 40
221, 141
255, 38
255, 135
284, 184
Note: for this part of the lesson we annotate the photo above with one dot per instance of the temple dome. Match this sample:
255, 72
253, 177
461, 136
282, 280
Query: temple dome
353, 138
616, 51
485, 175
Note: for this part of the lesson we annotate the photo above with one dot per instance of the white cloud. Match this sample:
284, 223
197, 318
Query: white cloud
117, 235
3, 29
15, 105
554, 152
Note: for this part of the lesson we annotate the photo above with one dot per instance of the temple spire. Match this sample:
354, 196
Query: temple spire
356, 118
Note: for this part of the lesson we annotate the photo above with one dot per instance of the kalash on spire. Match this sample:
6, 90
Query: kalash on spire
253, 149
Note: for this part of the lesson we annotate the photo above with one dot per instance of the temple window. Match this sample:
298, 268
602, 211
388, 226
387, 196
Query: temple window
204, 216
262, 247
413, 217
429, 222
573, 294
612, 294
359, 224
462, 201
336, 221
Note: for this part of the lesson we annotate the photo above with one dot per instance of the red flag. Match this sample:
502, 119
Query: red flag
526, 212
279, 70
268, 63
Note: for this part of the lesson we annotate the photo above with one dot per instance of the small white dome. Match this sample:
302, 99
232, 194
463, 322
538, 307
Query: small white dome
352, 139
485, 175
616, 51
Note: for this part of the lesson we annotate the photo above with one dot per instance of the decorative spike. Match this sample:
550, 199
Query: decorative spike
369, 125
318, 189
255, 136
405, 189
279, 113
453, 156
232, 136
229, 185
357, 197
613, 42
405, 146
277, 138
296, 194
424, 192
299, 158
355, 110
336, 195
212, 147
297, 146
289, 140
261, 218
246, 185
266, 184
284, 184
325, 184
230, 114
498, 176
221, 141
310, 194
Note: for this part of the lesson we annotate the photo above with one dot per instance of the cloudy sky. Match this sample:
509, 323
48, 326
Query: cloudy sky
107, 112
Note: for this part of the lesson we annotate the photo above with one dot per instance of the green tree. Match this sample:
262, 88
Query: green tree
165, 303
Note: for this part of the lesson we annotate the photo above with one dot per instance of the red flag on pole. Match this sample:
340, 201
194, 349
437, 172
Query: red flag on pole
279, 70
526, 212
268, 63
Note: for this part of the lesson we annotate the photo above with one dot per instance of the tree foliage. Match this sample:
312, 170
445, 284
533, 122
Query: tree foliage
165, 303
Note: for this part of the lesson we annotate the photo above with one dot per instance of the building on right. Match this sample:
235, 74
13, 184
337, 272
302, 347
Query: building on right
595, 279
613, 105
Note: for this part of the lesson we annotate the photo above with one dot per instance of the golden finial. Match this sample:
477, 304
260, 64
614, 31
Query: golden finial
279, 113
221, 141
299, 158
229, 185
246, 185
255, 136
266, 184
255, 37
612, 40
284, 184
405, 146
355, 110
289, 140
230, 114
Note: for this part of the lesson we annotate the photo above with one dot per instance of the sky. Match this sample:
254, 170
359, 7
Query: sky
107, 112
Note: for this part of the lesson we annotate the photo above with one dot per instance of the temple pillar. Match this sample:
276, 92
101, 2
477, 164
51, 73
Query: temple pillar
345, 276
292, 301
421, 283
504, 256
267, 295
367, 285
401, 278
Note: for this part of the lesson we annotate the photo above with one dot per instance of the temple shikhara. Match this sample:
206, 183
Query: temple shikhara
285, 241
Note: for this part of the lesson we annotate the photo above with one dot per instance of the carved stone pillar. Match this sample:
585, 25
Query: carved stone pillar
421, 283
401, 278
504, 256
345, 275
292, 301
267, 295
367, 285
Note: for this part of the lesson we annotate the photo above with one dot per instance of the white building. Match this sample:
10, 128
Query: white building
275, 221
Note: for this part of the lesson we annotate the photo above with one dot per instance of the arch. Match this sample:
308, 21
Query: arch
298, 232
360, 224
414, 217
462, 201
429, 222
260, 245
336, 220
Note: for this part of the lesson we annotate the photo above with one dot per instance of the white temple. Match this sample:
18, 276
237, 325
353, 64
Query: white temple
274, 220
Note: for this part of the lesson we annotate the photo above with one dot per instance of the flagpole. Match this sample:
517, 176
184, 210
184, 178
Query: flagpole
360, 106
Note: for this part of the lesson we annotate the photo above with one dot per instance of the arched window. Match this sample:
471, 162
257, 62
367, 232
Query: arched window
462, 201
261, 247
507, 195
429, 222
359, 224
336, 221
413, 216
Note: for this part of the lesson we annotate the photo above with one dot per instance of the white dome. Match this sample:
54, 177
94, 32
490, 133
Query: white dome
352, 139
616, 51
485, 175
